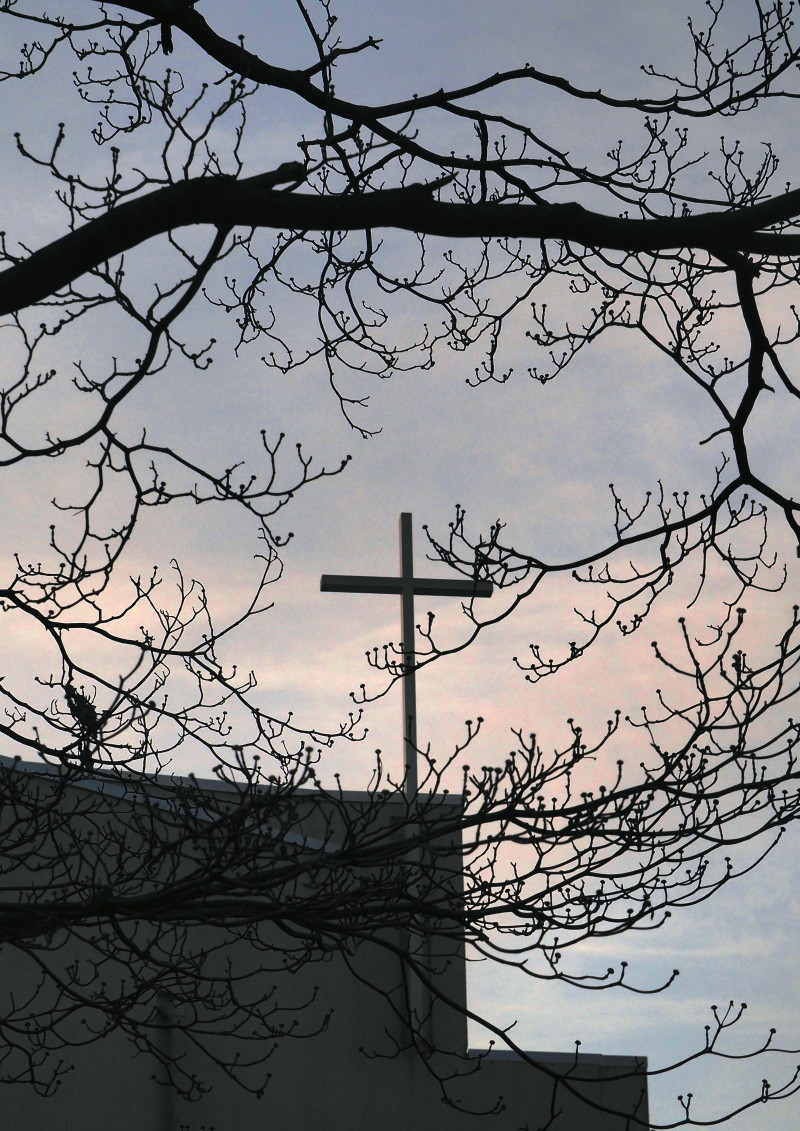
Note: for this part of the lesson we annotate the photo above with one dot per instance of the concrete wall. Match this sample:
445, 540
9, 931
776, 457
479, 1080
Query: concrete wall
351, 1076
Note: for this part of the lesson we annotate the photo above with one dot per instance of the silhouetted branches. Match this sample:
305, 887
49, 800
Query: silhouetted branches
530, 863
446, 220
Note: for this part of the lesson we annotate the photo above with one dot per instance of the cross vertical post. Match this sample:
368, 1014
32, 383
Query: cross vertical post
410, 668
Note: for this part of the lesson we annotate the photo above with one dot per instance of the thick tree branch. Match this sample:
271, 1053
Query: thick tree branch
253, 202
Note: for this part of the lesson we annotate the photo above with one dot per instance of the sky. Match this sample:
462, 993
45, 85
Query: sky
538, 457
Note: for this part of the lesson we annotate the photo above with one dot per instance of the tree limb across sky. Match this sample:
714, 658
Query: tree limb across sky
224, 202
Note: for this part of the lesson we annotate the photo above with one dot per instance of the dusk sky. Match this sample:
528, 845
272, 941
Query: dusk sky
538, 457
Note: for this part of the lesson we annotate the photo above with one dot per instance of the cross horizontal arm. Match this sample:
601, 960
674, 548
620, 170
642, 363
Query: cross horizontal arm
423, 586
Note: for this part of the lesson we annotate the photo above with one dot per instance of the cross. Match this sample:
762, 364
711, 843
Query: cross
407, 586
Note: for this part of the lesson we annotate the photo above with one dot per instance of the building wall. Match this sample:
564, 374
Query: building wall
356, 1075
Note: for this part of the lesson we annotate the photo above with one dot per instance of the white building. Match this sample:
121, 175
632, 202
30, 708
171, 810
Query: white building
332, 1079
